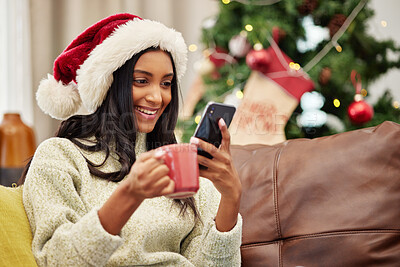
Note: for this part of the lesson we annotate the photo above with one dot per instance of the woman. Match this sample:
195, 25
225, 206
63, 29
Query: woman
95, 194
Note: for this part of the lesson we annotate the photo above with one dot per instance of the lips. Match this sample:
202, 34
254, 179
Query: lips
146, 112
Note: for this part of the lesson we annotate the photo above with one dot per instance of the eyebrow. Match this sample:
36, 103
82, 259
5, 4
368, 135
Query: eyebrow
150, 74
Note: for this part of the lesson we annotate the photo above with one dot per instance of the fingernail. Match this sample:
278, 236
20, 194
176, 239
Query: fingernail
194, 140
159, 153
222, 122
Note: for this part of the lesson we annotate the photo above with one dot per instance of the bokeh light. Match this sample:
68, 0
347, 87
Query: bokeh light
192, 48
239, 94
197, 119
364, 92
248, 27
336, 102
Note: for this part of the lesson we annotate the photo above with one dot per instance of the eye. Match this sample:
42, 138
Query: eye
140, 81
166, 84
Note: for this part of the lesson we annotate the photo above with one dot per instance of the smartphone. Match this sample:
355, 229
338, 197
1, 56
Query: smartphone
208, 129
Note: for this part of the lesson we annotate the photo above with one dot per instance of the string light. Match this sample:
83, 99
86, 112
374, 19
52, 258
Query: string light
336, 102
321, 54
383, 23
243, 33
226, 1
206, 53
230, 82
248, 27
239, 94
258, 3
364, 92
338, 48
197, 119
192, 48
258, 46
396, 104
294, 66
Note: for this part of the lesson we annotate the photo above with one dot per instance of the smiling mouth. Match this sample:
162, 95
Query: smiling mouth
146, 111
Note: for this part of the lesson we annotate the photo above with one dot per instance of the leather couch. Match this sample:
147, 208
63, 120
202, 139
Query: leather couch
331, 201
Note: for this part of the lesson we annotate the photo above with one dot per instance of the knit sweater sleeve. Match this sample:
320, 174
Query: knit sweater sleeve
205, 245
64, 231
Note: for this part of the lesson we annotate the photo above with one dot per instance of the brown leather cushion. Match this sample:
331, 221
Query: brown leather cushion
331, 201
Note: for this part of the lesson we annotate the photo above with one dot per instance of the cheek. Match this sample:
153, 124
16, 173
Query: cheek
136, 94
166, 96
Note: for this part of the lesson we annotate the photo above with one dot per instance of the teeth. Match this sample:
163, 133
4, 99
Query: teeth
148, 112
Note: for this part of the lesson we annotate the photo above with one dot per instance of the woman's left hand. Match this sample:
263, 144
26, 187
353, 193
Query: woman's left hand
222, 173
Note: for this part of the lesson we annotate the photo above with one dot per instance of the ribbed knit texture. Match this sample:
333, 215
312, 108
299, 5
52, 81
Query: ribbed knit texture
61, 199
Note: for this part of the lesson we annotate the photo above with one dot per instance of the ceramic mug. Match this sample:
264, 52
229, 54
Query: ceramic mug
181, 160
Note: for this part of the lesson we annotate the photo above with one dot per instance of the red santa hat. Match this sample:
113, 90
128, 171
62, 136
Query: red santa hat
83, 73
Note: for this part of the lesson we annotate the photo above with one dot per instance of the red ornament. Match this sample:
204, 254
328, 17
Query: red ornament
325, 76
307, 6
219, 57
335, 23
359, 111
215, 75
258, 60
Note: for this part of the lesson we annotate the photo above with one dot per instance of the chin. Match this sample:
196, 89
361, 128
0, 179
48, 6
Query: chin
146, 129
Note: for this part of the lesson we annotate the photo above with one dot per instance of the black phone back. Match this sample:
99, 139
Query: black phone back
208, 129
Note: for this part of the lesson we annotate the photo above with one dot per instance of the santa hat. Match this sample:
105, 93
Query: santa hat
83, 73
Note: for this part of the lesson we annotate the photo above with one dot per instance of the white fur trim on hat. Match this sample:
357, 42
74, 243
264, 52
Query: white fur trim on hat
95, 75
56, 99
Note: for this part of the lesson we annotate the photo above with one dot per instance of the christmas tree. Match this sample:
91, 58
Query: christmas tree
340, 61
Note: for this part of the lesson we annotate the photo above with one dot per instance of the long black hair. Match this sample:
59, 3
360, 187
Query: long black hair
114, 123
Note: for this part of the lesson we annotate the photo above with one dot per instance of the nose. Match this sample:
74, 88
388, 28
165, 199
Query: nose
154, 95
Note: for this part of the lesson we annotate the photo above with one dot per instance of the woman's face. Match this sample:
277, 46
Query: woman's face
151, 89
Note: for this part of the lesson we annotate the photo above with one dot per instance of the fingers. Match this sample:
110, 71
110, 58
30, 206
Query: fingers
149, 175
211, 164
150, 160
164, 185
216, 153
159, 171
159, 182
211, 149
169, 189
226, 137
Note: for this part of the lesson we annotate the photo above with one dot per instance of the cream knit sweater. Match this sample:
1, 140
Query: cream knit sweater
61, 199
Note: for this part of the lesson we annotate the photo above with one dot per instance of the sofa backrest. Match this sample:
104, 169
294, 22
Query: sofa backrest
331, 201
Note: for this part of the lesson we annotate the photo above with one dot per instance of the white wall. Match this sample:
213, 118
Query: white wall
386, 10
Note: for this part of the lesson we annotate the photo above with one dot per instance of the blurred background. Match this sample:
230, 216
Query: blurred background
35, 32
293, 68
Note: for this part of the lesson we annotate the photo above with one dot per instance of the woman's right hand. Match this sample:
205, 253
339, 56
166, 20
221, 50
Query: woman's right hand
148, 176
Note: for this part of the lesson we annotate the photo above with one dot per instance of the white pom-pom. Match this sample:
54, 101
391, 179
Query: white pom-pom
56, 99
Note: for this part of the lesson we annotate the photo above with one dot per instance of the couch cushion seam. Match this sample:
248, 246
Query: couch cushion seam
322, 235
275, 190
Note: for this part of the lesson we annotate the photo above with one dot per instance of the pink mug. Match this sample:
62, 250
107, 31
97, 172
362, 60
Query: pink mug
181, 160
